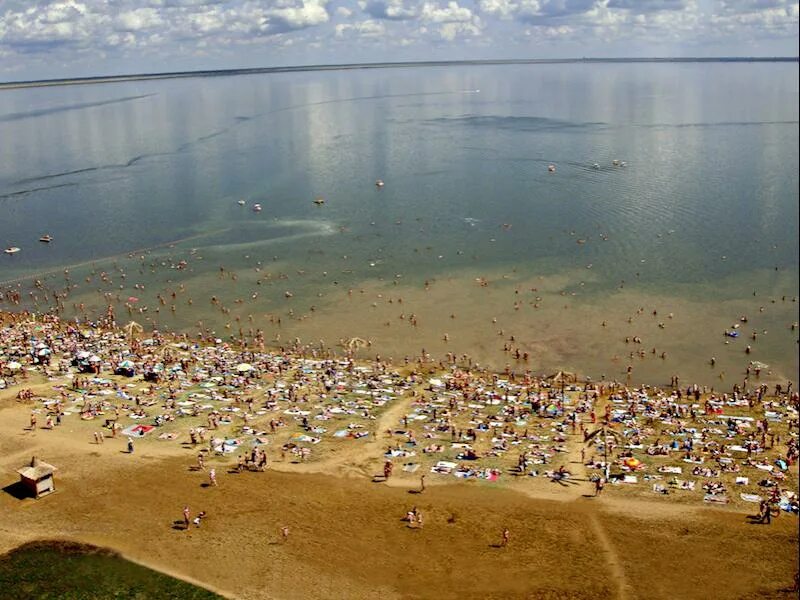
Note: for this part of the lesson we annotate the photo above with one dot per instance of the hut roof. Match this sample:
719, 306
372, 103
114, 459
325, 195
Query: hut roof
36, 470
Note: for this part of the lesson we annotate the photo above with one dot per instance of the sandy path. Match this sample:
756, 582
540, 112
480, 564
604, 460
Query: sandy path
611, 558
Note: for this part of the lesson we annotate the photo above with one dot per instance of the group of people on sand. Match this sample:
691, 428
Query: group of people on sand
462, 422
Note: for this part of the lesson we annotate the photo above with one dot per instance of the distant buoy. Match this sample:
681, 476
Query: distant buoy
379, 183
551, 168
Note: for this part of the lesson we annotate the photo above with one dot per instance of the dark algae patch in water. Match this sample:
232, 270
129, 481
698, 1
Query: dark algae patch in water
68, 570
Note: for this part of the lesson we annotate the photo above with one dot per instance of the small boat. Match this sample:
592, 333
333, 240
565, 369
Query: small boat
319, 201
615, 162
596, 166
379, 183
256, 208
551, 168
240, 202
46, 238
11, 250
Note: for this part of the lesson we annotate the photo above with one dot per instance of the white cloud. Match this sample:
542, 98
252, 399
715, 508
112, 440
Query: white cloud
450, 31
304, 13
364, 29
501, 8
35, 32
452, 13
393, 10
138, 19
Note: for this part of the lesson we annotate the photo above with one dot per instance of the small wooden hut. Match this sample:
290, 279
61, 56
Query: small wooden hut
37, 478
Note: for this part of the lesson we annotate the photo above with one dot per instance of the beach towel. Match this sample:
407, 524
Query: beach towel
750, 497
668, 469
137, 430
444, 467
712, 499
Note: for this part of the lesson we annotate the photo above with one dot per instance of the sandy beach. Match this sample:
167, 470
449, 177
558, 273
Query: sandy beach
525, 471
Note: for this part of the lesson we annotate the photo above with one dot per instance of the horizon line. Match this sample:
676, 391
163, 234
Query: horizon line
232, 72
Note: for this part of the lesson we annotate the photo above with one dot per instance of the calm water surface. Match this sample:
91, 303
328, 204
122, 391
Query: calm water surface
700, 225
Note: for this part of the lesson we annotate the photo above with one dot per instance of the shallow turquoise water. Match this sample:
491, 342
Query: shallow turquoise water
704, 212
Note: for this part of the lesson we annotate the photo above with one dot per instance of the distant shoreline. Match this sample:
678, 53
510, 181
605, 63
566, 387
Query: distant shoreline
382, 65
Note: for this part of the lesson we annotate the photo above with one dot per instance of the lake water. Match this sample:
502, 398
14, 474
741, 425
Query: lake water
699, 225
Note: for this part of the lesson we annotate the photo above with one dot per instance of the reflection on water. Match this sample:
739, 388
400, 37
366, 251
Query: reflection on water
701, 220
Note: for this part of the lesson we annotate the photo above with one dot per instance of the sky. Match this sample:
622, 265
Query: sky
75, 38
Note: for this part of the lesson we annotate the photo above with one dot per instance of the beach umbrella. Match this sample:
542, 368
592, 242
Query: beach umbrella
564, 376
244, 367
95, 359
126, 364
132, 327
631, 462
83, 354
14, 365
41, 346
44, 351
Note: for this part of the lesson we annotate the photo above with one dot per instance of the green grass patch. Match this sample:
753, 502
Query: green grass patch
67, 570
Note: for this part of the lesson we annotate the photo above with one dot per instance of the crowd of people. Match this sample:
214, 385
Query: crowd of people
237, 404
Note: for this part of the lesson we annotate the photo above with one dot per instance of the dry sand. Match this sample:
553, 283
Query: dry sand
347, 539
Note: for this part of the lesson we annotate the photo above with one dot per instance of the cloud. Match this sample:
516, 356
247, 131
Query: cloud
646, 6
450, 31
362, 29
548, 11
138, 19
393, 10
501, 8
107, 33
299, 14
451, 13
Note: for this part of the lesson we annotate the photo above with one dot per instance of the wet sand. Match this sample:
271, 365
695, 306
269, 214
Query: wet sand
560, 320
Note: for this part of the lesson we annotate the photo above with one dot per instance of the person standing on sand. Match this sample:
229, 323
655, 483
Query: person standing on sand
201, 464
505, 537
186, 519
765, 516
130, 446
387, 469
285, 533
598, 486
421, 483
212, 476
